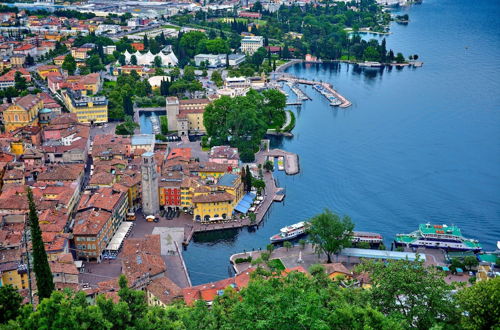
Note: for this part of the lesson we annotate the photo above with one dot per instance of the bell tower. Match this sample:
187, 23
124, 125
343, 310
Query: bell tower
150, 202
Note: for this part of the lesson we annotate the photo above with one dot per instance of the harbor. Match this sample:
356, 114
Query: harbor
326, 89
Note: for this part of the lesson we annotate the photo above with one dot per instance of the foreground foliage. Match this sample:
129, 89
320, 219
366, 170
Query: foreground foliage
405, 295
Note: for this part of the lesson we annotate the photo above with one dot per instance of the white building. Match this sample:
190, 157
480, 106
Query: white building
107, 28
250, 44
167, 58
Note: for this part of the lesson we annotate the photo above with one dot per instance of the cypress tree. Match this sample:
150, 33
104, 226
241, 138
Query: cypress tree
248, 179
41, 266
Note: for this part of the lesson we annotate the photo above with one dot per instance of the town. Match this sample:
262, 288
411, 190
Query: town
129, 128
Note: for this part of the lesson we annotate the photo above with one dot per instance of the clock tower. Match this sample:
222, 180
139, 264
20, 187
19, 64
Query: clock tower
150, 202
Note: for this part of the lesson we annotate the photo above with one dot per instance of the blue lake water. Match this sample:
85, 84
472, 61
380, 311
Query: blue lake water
417, 145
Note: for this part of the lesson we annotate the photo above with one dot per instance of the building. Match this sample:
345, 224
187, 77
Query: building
236, 59
98, 217
250, 44
211, 60
162, 292
209, 291
249, 14
144, 142
237, 82
212, 206
224, 155
88, 109
167, 57
23, 112
91, 233
186, 116
17, 60
9, 79
150, 202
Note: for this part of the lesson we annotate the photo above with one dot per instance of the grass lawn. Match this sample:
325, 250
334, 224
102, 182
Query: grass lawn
110, 84
168, 26
276, 264
243, 20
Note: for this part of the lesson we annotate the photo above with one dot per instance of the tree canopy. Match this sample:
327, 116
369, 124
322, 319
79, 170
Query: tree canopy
242, 121
330, 233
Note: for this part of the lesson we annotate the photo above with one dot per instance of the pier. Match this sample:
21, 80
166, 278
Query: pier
329, 90
301, 96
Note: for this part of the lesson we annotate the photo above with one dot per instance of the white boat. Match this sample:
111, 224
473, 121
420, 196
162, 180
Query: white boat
290, 232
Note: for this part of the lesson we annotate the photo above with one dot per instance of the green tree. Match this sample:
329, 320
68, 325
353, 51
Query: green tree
400, 58
329, 233
371, 54
270, 248
128, 105
145, 41
258, 184
10, 303
29, 61
126, 128
69, 64
285, 52
409, 290
41, 266
133, 60
363, 245
471, 262
287, 245
217, 78
302, 243
20, 81
189, 73
479, 304
248, 179
268, 166
252, 218
157, 62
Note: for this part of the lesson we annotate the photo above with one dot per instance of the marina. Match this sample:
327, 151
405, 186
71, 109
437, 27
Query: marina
326, 89
301, 96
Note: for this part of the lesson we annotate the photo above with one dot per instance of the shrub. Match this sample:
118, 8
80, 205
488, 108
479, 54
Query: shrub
242, 260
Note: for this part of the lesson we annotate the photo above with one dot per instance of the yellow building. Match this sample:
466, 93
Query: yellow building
23, 112
14, 274
87, 109
80, 53
214, 203
208, 170
56, 37
59, 60
213, 206
17, 60
233, 185
44, 70
91, 82
17, 147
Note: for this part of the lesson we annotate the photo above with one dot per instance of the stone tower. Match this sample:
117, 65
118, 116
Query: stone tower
172, 107
150, 202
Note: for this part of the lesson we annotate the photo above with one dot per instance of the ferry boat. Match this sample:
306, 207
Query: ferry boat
290, 232
438, 237
363, 236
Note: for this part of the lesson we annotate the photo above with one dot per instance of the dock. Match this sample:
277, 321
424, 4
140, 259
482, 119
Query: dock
344, 102
301, 96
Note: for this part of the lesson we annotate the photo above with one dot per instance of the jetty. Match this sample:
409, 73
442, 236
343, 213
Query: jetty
329, 91
300, 94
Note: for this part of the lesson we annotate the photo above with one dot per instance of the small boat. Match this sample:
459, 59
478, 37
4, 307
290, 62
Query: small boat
438, 237
290, 232
281, 166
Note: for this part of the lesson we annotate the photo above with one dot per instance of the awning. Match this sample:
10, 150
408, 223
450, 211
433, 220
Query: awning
241, 209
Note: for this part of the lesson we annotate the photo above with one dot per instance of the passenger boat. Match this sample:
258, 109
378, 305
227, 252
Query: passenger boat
363, 236
438, 237
290, 232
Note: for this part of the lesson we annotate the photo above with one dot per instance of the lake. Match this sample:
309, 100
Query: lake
417, 145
